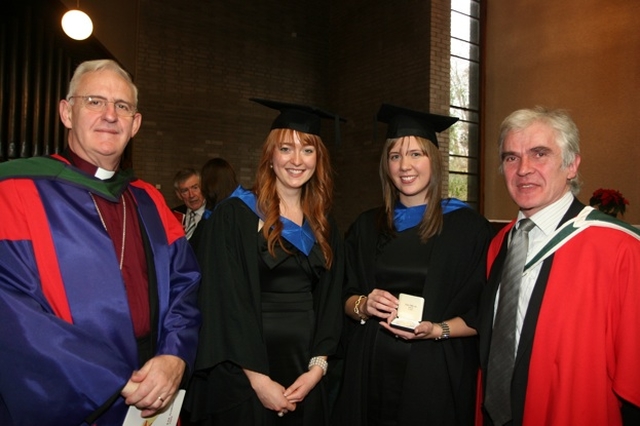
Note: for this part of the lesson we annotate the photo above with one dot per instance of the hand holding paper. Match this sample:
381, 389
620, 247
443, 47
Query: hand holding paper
152, 387
168, 416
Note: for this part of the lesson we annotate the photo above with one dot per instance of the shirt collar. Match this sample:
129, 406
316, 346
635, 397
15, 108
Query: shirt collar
103, 174
548, 218
89, 168
96, 180
201, 210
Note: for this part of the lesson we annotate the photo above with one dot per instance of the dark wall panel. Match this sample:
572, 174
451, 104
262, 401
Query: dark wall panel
36, 62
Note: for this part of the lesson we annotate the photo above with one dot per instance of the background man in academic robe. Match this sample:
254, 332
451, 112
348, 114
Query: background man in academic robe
577, 323
97, 282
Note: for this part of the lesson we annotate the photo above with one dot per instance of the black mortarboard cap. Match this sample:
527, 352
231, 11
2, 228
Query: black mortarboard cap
303, 118
406, 122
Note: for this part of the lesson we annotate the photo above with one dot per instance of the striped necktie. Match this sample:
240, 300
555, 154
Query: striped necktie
191, 224
503, 343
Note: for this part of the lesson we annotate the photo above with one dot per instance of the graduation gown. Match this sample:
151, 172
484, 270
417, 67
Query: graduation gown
67, 339
439, 379
232, 336
579, 350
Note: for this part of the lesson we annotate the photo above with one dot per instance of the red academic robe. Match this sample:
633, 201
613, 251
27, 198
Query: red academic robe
585, 352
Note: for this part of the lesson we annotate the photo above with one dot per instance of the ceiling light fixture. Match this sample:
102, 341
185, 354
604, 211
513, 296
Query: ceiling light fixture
77, 24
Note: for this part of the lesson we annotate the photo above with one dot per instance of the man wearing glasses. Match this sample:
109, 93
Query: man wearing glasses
97, 281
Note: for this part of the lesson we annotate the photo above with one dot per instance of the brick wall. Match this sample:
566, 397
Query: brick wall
199, 62
387, 52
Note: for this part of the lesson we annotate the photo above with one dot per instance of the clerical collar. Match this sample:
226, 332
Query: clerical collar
86, 174
103, 174
89, 168
408, 217
301, 237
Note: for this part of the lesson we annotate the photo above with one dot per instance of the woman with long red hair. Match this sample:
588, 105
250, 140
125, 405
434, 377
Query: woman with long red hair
270, 295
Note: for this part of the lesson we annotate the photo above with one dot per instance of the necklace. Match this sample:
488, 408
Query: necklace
124, 224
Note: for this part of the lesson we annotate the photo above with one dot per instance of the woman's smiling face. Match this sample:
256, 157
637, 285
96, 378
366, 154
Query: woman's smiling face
410, 171
293, 163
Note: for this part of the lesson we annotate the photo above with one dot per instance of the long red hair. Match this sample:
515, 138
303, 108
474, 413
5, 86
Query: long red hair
316, 197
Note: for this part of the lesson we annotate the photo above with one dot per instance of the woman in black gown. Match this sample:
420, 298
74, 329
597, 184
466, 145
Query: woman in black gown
217, 181
272, 265
422, 245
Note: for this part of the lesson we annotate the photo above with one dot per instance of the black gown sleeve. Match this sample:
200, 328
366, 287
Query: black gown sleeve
630, 413
229, 292
327, 303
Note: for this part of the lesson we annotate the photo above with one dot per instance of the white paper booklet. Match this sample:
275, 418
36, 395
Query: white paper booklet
169, 417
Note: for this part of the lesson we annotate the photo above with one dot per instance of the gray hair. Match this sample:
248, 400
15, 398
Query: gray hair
566, 131
100, 65
182, 175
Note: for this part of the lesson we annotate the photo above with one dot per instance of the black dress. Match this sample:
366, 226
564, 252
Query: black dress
263, 313
389, 381
288, 322
400, 268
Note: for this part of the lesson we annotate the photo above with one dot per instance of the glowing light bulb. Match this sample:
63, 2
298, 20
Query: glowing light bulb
77, 24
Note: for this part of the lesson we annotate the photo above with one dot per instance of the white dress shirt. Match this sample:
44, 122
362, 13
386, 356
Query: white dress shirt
546, 221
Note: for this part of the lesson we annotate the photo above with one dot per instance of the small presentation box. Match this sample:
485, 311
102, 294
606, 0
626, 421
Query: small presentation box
409, 312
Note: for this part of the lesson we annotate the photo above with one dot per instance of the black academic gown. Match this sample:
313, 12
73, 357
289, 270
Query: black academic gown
440, 376
231, 336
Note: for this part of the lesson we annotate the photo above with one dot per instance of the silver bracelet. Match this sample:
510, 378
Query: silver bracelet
320, 362
445, 331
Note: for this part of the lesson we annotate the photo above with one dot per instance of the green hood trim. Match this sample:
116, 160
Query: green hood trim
58, 170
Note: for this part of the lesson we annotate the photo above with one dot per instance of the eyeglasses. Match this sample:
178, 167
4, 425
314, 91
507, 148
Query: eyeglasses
99, 104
